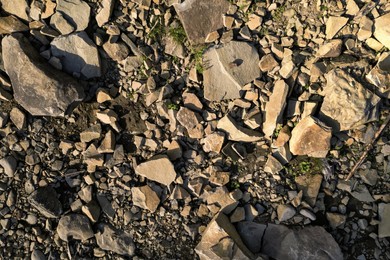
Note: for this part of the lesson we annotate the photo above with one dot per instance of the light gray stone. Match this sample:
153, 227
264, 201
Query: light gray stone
384, 218
335, 219
103, 16
75, 12
115, 240
235, 132
159, 169
382, 29
74, 226
285, 212
9, 165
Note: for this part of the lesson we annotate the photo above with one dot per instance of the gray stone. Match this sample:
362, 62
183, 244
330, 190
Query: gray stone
11, 24
144, 197
347, 104
106, 206
251, 234
159, 169
285, 212
235, 132
58, 22
18, 8
380, 74
18, 118
92, 133
382, 29
115, 240
228, 68
40, 89
307, 213
75, 12
310, 185
74, 226
103, 16
174, 48
78, 54
201, 17
361, 193
384, 218
330, 49
37, 255
117, 51
9, 165
335, 219
46, 202
272, 165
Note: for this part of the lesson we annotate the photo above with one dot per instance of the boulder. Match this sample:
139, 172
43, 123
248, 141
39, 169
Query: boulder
74, 226
75, 12
78, 54
18, 8
11, 24
38, 87
228, 68
159, 169
115, 240
382, 29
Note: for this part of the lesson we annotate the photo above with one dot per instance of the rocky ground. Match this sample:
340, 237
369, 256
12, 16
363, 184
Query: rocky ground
196, 129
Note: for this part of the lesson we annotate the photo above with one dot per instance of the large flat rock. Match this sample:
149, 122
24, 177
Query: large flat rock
159, 169
201, 17
18, 8
382, 29
75, 12
38, 87
228, 68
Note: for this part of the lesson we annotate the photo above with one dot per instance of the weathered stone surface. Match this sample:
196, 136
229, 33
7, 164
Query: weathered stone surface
117, 51
191, 121
310, 137
251, 234
330, 49
268, 63
115, 240
58, 22
18, 8
361, 193
335, 219
272, 165
11, 24
9, 165
144, 197
201, 17
103, 16
46, 202
384, 217
275, 107
382, 29
213, 142
220, 240
310, 185
78, 54
228, 68
174, 48
40, 89
18, 118
159, 169
334, 25
380, 74
75, 12
74, 226
347, 104
92, 133
235, 132
285, 212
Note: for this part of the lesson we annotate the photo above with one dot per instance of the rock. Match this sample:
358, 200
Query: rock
268, 63
235, 132
330, 49
58, 22
287, 69
174, 48
174, 151
272, 165
310, 137
158, 169
9, 165
220, 240
237, 215
74, 226
55, 90
335, 219
369, 177
108, 143
92, 133
78, 54
11, 24
384, 218
46, 202
103, 16
310, 185
307, 213
198, 26
117, 51
251, 234
18, 8
37, 255
106, 206
213, 142
334, 25
75, 12
285, 212
103, 95
382, 30
144, 197
274, 107
361, 193
283, 137
115, 240
365, 30
191, 121
380, 74
221, 197
254, 21
18, 118
191, 101
352, 8
347, 104
228, 68
92, 211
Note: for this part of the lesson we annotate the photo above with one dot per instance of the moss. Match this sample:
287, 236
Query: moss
304, 166
178, 34
173, 106
197, 54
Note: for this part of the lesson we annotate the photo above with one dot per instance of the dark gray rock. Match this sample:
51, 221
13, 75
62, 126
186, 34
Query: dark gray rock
46, 202
38, 87
251, 234
74, 226
115, 240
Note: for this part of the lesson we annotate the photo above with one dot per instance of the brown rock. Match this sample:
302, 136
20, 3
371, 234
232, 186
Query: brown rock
330, 49
213, 142
144, 197
268, 63
334, 25
158, 169
116, 51
382, 29
18, 8
310, 185
11, 24
236, 132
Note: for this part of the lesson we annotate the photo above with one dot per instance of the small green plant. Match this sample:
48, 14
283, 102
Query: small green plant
323, 8
157, 30
278, 13
277, 130
173, 106
197, 54
263, 32
305, 167
234, 184
178, 34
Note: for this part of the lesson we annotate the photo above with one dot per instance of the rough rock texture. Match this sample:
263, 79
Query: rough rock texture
11, 24
380, 74
46, 202
115, 240
382, 29
75, 12
251, 234
347, 104
74, 226
330, 49
228, 68
159, 169
334, 25
104, 14
18, 8
38, 87
275, 107
144, 197
310, 137
235, 132
310, 185
201, 17
78, 54
384, 217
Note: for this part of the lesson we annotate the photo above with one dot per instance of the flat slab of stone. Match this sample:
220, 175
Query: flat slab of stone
144, 197
310, 185
334, 25
382, 29
78, 54
75, 12
38, 87
115, 240
159, 169
103, 16
74, 226
384, 217
46, 202
201, 17
235, 132
18, 8
228, 68
347, 104
11, 24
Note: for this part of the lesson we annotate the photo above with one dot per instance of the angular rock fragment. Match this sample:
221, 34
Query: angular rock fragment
108, 143
228, 68
46, 202
115, 240
268, 63
40, 89
310, 137
11, 24
18, 118
380, 74
18, 8
201, 17
347, 104
117, 51
144, 197
9, 165
58, 22
235, 132
75, 12
384, 217
382, 29
92, 133
334, 25
310, 185
78, 54
275, 107
159, 169
335, 219
103, 16
285, 212
251, 233
191, 121
213, 142
74, 226
330, 49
